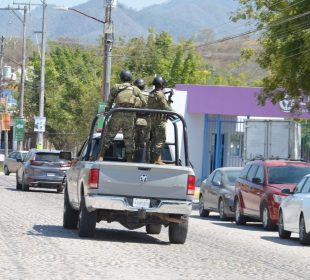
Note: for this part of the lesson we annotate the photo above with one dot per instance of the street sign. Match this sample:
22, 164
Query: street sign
39, 124
19, 129
6, 121
101, 109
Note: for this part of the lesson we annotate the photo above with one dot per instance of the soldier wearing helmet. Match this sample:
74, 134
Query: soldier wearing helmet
123, 95
142, 126
157, 100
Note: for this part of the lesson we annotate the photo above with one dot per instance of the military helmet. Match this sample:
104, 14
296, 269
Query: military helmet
125, 76
140, 83
159, 81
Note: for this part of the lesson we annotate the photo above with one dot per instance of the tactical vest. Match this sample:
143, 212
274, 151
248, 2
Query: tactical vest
126, 96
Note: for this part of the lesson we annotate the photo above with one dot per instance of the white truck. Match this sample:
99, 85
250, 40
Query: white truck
135, 194
272, 139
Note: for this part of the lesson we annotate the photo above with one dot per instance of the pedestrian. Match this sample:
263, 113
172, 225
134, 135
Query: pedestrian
124, 95
157, 100
142, 127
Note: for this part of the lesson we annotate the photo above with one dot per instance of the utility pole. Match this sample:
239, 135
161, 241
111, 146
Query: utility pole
42, 76
6, 133
22, 78
108, 44
1, 72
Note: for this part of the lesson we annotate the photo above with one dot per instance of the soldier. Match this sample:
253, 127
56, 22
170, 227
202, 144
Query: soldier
123, 95
157, 100
142, 127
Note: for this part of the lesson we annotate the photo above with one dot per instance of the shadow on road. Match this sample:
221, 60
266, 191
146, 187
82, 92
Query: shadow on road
111, 235
35, 191
293, 241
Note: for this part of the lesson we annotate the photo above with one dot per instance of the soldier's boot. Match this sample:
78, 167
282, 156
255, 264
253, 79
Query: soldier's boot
158, 160
130, 157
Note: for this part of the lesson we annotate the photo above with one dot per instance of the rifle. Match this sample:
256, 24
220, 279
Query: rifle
171, 93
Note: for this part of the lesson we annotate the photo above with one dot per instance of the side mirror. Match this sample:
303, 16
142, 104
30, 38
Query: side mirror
19, 160
218, 183
257, 180
286, 191
65, 155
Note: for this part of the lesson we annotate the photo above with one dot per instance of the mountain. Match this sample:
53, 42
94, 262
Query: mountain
182, 18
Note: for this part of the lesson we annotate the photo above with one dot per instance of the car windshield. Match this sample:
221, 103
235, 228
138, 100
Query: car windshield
286, 174
232, 175
50, 157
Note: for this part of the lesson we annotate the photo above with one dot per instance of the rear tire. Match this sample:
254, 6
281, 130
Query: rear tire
239, 218
6, 170
221, 209
283, 234
178, 232
25, 187
70, 215
202, 211
60, 189
87, 220
153, 229
18, 185
304, 237
265, 218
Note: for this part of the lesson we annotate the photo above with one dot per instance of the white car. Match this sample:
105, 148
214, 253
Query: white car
294, 212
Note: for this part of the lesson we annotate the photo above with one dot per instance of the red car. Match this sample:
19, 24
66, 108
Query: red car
258, 189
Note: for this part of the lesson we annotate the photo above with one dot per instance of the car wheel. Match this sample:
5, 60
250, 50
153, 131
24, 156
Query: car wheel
60, 189
265, 218
284, 234
202, 211
87, 220
239, 218
223, 216
178, 232
304, 237
153, 229
25, 187
70, 215
18, 185
6, 170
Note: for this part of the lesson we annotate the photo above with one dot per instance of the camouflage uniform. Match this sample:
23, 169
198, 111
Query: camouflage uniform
157, 100
126, 96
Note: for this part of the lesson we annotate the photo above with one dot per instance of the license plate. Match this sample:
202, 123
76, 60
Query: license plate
50, 174
141, 203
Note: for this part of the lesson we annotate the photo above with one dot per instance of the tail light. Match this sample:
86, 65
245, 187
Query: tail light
191, 184
35, 163
93, 178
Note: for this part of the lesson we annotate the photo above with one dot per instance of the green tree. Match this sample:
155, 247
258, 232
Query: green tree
285, 41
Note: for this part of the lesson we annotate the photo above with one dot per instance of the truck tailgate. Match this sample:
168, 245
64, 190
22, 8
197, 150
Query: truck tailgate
143, 180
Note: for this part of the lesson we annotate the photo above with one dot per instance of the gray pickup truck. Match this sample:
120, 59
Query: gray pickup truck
135, 194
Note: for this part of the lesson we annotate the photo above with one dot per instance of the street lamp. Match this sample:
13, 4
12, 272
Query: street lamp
108, 43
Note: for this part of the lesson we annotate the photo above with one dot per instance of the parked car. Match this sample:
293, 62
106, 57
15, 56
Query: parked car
42, 169
294, 212
259, 189
11, 164
217, 192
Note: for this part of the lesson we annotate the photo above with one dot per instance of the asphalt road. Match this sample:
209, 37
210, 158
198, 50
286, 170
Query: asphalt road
33, 245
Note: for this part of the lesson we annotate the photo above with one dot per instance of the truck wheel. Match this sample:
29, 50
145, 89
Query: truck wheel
18, 185
223, 216
239, 218
178, 232
153, 229
70, 215
304, 237
283, 234
87, 220
25, 187
202, 211
6, 170
265, 217
60, 189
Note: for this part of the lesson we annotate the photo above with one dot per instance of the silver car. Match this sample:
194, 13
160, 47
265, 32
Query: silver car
12, 162
217, 192
42, 169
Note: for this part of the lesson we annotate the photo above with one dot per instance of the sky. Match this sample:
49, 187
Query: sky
136, 4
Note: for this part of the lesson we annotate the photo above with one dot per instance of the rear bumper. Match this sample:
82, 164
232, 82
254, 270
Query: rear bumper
44, 183
94, 202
